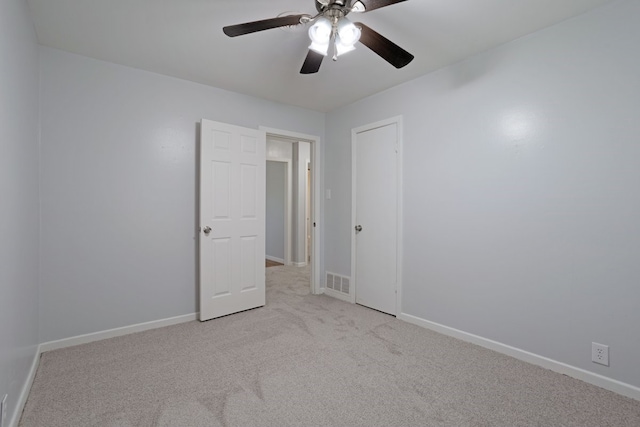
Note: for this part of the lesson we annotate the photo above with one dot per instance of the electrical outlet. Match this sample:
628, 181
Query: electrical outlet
600, 353
3, 410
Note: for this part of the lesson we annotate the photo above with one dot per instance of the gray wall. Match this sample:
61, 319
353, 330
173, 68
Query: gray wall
119, 189
276, 192
521, 202
19, 206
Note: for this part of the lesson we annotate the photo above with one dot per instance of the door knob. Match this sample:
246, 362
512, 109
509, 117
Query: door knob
207, 230
358, 228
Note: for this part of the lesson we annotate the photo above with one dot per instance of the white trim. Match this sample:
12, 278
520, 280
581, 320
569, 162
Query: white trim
316, 162
335, 294
397, 120
307, 208
535, 359
116, 332
287, 208
400, 210
299, 264
354, 205
274, 259
26, 389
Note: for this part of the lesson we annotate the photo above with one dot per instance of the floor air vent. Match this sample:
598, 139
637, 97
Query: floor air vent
338, 283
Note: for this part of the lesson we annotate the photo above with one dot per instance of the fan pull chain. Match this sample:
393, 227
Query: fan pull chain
333, 44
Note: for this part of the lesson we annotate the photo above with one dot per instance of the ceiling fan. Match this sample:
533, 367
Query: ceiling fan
331, 29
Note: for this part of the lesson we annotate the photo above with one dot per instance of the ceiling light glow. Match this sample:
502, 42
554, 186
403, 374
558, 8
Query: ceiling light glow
320, 31
358, 7
320, 35
348, 32
344, 34
341, 47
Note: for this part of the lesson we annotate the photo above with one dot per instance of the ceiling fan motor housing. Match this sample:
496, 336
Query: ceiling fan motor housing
329, 8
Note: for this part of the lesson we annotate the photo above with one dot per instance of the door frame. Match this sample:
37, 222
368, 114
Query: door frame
316, 164
399, 226
287, 207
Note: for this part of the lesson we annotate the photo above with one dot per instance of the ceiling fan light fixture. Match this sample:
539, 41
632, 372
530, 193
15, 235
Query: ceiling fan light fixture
349, 34
320, 35
321, 48
320, 31
342, 48
358, 7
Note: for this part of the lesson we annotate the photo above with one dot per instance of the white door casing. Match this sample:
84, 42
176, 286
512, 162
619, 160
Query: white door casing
376, 185
309, 193
232, 219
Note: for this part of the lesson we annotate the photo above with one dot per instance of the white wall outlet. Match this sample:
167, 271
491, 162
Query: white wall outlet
600, 353
3, 410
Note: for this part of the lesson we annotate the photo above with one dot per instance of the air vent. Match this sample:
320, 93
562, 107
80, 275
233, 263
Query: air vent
330, 279
345, 285
338, 283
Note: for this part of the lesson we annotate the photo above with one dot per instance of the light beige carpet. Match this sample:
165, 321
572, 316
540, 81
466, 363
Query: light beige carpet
306, 360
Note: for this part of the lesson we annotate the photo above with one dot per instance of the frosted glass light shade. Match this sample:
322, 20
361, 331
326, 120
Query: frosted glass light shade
322, 49
342, 47
320, 35
358, 7
320, 31
348, 32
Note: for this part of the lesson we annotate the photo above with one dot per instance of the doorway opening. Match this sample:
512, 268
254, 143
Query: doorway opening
298, 209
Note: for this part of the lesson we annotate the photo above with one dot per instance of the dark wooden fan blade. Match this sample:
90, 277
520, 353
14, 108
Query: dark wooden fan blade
312, 62
370, 5
265, 24
385, 48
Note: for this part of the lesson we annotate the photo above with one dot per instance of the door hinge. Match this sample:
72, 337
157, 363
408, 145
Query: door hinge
314, 224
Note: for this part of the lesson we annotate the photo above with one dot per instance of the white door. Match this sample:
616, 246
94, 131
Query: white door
376, 206
232, 219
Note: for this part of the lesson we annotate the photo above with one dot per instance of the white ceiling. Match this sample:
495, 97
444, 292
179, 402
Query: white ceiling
183, 38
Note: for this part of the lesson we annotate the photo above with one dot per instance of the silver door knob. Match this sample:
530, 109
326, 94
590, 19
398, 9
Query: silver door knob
358, 228
207, 230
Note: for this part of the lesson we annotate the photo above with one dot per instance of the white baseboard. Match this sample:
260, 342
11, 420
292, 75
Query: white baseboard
274, 259
553, 365
338, 295
299, 264
26, 388
117, 332
83, 339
